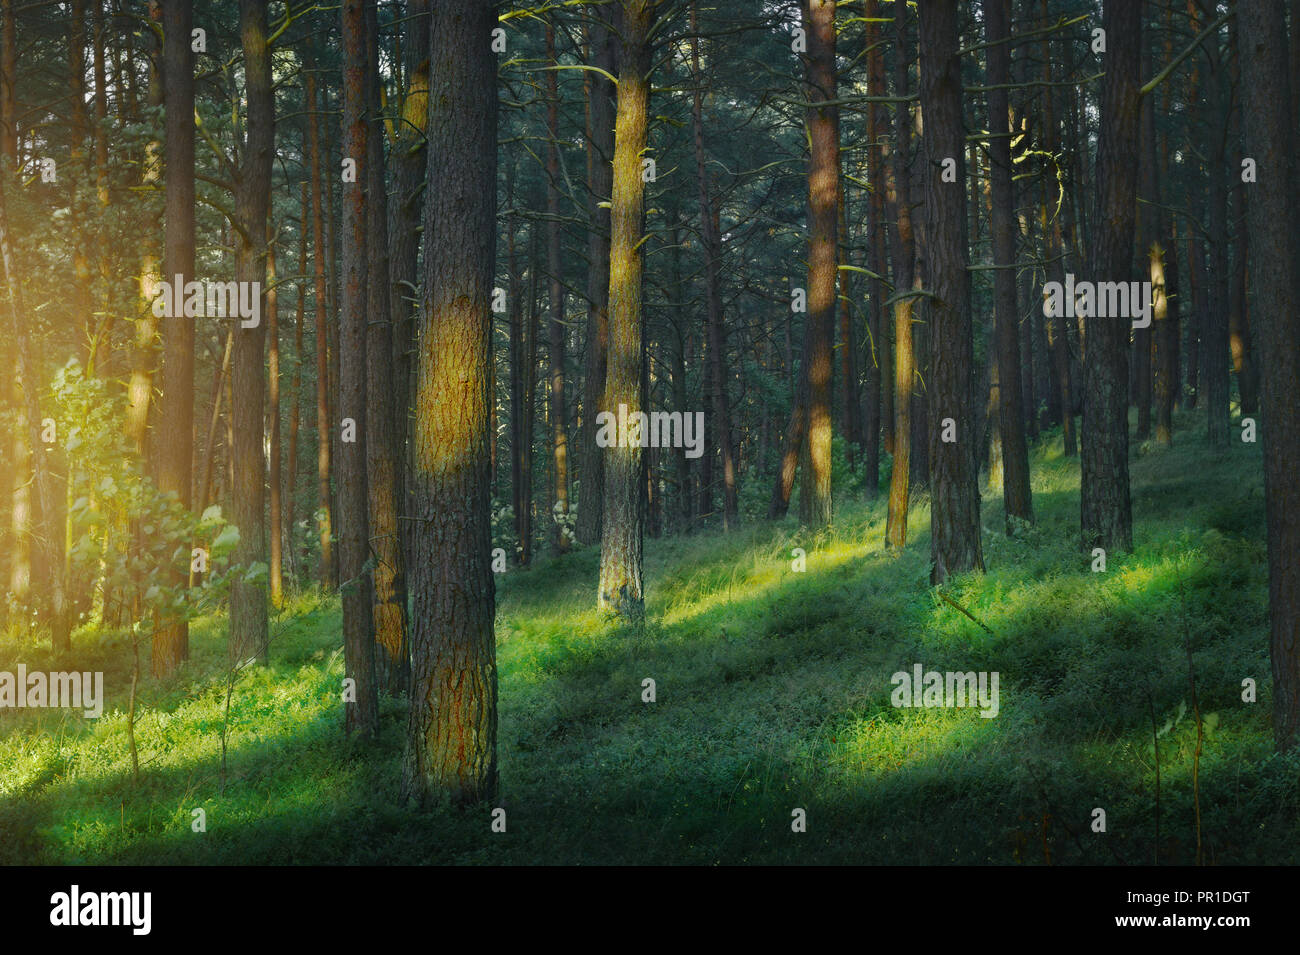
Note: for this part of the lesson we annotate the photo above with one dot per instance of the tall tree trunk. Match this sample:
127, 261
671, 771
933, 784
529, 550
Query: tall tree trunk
555, 349
8, 76
384, 486
602, 46
1240, 345
1011, 418
850, 387
954, 468
361, 714
1106, 515
1214, 331
452, 732
620, 589
1270, 141
144, 354
717, 344
248, 608
902, 254
527, 417
295, 410
1164, 313
175, 427
276, 575
1200, 306
823, 188
879, 423
406, 214
324, 428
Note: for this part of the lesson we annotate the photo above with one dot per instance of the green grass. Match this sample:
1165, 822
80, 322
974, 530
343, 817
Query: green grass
773, 692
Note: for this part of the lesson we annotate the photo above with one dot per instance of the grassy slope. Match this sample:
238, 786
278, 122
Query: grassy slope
773, 693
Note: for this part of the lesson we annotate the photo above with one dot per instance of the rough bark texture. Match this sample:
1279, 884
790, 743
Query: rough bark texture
555, 286
452, 732
248, 615
1214, 330
8, 100
175, 425
272, 319
954, 469
384, 486
717, 342
1011, 420
1270, 141
324, 506
1106, 515
823, 191
362, 714
620, 589
902, 252
405, 220
603, 45
877, 363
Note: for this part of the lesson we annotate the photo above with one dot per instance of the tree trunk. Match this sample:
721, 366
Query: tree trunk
555, 349
602, 45
1270, 141
823, 189
620, 589
712, 244
903, 252
452, 733
1214, 330
248, 617
405, 220
1106, 516
175, 427
276, 576
1239, 337
295, 410
8, 100
321, 295
361, 714
1011, 418
384, 488
954, 479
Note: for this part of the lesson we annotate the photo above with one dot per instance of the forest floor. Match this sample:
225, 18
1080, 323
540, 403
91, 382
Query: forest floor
773, 693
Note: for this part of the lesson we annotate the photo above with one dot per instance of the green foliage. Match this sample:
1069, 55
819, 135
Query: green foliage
773, 692
125, 532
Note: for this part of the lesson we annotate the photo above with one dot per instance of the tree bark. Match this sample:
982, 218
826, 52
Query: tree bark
321, 308
1016, 495
954, 476
1270, 141
717, 342
555, 349
452, 732
620, 589
361, 714
175, 426
1106, 516
602, 46
823, 189
384, 487
902, 254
